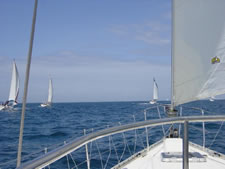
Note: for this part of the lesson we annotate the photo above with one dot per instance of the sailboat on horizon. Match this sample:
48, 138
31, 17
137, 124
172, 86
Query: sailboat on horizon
198, 35
50, 95
155, 92
14, 89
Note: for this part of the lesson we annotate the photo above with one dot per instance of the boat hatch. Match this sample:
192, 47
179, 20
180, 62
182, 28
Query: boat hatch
177, 157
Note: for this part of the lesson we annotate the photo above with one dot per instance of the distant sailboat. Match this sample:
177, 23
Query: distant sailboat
49, 102
197, 36
212, 98
155, 92
14, 89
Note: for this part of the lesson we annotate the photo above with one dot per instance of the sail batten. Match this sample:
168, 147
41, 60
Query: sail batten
198, 50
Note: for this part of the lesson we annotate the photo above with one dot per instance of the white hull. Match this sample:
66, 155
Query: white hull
167, 154
152, 102
8, 106
2, 107
211, 99
45, 105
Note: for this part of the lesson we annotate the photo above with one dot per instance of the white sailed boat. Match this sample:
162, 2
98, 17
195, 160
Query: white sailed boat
212, 98
14, 89
50, 95
155, 92
198, 57
2, 107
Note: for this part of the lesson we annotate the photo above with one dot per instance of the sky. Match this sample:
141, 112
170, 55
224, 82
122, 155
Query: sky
94, 50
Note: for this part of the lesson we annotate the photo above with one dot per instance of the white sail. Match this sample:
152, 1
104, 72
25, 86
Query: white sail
50, 91
155, 90
14, 88
198, 50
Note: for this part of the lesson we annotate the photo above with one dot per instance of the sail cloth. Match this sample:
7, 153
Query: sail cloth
50, 91
155, 90
198, 50
14, 87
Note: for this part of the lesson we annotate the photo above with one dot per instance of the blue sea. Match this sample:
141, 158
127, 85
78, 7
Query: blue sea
48, 128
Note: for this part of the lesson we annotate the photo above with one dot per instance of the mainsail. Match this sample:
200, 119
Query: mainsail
50, 91
198, 50
155, 90
14, 88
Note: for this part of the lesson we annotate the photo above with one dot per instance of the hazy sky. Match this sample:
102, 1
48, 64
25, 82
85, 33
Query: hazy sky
94, 50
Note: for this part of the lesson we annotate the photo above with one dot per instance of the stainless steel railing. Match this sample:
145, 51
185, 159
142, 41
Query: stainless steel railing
62, 151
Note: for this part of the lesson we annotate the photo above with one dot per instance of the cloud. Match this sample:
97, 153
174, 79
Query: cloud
81, 76
69, 58
100, 80
119, 30
152, 37
158, 27
153, 33
87, 78
108, 81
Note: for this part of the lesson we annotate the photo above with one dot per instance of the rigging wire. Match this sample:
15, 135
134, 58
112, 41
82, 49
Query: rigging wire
26, 84
216, 134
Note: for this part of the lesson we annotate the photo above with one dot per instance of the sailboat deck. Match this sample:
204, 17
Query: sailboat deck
153, 159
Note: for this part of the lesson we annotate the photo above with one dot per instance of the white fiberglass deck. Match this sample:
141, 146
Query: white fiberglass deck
153, 158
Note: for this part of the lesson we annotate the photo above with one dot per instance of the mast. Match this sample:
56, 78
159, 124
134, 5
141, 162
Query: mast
153, 88
26, 84
172, 55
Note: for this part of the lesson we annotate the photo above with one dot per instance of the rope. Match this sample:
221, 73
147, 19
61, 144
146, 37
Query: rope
122, 153
100, 156
125, 141
216, 135
149, 108
134, 140
68, 164
73, 161
140, 137
124, 145
160, 118
115, 150
109, 153
135, 136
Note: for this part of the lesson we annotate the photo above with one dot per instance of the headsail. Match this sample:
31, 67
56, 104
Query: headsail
155, 90
14, 88
198, 50
50, 91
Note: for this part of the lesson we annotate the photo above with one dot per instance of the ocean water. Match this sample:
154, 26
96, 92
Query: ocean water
51, 127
